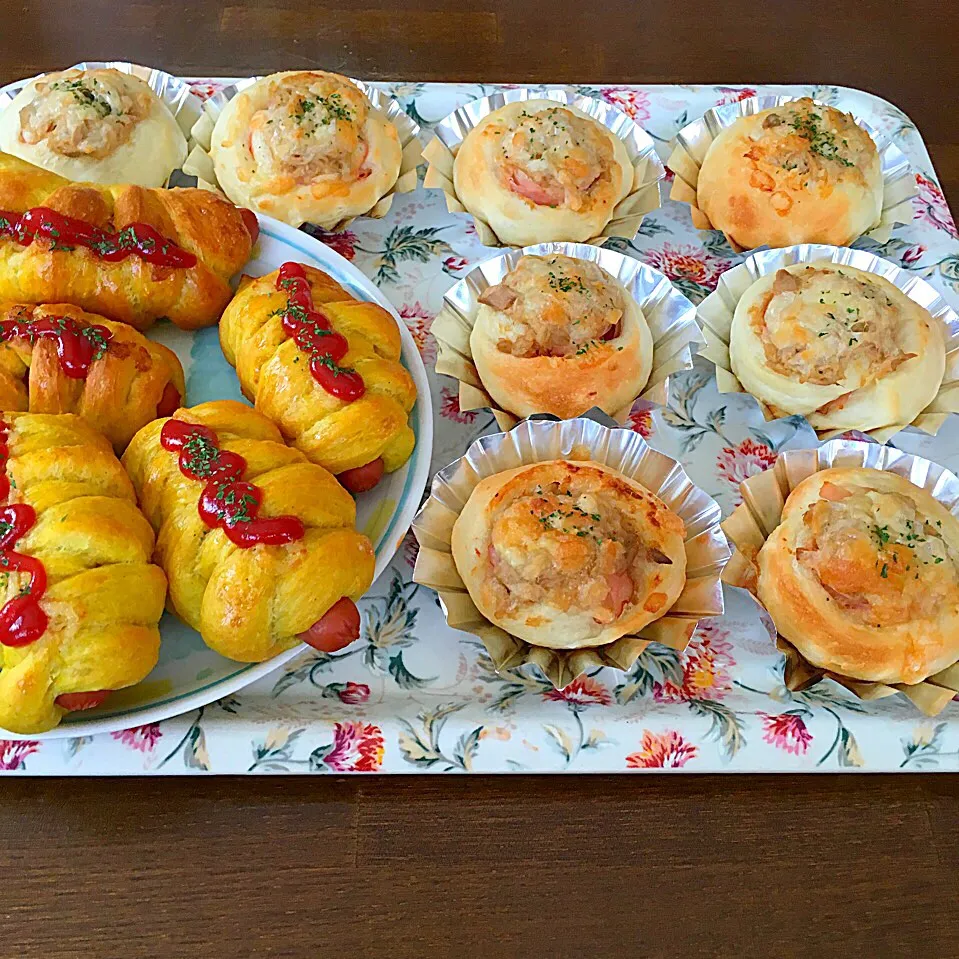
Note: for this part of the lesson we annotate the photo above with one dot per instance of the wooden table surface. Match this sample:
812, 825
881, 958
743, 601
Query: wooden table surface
488, 867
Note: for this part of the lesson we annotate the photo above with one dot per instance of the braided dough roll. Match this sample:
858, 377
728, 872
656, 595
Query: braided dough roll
862, 576
113, 377
342, 435
103, 598
207, 228
569, 554
250, 600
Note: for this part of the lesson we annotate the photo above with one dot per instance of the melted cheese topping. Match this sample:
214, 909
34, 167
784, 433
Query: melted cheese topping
311, 128
83, 113
553, 157
803, 146
877, 557
559, 306
827, 327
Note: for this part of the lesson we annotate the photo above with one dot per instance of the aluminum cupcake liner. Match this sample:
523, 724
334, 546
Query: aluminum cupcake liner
716, 316
670, 316
590, 437
692, 142
173, 91
764, 496
628, 214
200, 164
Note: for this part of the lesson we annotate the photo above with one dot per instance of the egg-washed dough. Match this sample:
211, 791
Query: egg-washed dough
862, 576
560, 335
305, 147
539, 171
95, 126
569, 554
842, 347
796, 173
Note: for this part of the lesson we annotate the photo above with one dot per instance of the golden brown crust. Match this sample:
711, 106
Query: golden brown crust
796, 173
103, 599
569, 554
250, 604
862, 576
130, 291
560, 336
121, 390
275, 374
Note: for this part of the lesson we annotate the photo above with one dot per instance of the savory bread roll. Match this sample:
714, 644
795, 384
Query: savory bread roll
844, 348
560, 335
538, 171
99, 126
797, 173
862, 576
305, 146
569, 554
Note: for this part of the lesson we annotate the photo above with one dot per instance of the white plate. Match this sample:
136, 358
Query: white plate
189, 674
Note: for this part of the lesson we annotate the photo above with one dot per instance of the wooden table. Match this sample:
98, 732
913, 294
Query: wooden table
513, 867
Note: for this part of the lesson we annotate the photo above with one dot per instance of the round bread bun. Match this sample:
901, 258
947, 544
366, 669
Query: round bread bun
539, 171
862, 576
305, 147
569, 554
796, 173
560, 335
842, 347
95, 126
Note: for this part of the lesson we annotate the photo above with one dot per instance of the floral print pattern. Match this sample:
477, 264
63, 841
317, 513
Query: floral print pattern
413, 695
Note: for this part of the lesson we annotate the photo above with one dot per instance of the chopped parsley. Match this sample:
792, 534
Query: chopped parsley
97, 340
821, 142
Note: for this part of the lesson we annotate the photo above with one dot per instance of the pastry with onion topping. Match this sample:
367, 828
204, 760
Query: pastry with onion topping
844, 348
801, 172
568, 555
560, 335
305, 147
98, 126
862, 576
538, 171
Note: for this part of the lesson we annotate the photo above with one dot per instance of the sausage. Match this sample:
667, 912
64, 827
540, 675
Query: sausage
336, 628
362, 478
77, 701
499, 297
251, 223
169, 402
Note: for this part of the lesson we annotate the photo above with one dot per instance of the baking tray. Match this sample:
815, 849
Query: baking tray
414, 696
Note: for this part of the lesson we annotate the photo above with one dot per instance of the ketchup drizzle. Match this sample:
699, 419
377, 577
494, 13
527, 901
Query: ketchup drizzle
311, 332
77, 346
67, 232
22, 621
227, 501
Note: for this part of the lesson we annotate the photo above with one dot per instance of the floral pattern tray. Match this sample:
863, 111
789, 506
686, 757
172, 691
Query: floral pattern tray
413, 695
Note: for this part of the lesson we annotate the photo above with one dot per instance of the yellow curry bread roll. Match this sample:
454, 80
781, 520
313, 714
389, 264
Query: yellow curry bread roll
305, 147
100, 126
798, 173
569, 554
844, 348
560, 335
862, 576
79, 597
259, 544
326, 368
129, 253
56, 358
539, 171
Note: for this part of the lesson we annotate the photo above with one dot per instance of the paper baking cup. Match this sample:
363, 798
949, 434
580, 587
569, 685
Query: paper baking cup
670, 316
628, 214
715, 313
764, 496
590, 437
200, 164
173, 91
692, 142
